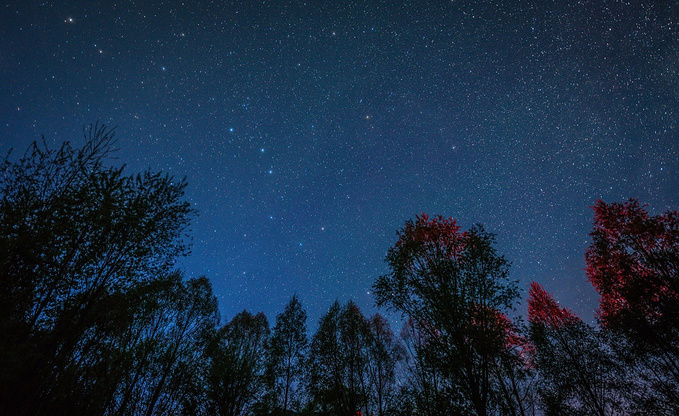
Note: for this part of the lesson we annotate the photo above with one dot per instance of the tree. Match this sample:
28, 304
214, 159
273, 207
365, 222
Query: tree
235, 375
74, 236
286, 352
455, 286
354, 339
186, 320
338, 380
633, 263
578, 372
325, 368
384, 352
152, 365
513, 373
425, 390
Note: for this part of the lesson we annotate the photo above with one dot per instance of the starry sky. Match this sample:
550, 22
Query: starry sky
309, 131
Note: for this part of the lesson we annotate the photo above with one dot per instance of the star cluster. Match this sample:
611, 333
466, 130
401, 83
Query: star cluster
310, 131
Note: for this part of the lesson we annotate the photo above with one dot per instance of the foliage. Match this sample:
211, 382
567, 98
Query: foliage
633, 262
578, 373
384, 353
80, 243
455, 286
285, 356
95, 319
352, 362
235, 377
332, 384
425, 391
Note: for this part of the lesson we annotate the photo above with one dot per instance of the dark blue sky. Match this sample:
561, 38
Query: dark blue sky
310, 131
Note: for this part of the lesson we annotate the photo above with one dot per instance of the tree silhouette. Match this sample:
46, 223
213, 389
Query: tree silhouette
578, 373
75, 237
424, 389
633, 262
454, 285
235, 377
384, 352
286, 352
336, 377
96, 319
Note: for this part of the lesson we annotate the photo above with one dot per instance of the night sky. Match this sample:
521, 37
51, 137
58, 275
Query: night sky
310, 131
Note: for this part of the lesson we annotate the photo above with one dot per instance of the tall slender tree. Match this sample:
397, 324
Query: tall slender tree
235, 376
354, 340
325, 366
384, 352
338, 379
286, 352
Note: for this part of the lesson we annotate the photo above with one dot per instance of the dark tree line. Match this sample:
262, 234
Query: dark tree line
96, 318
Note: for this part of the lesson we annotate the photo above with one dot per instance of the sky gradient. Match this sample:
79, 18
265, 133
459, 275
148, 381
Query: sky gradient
309, 132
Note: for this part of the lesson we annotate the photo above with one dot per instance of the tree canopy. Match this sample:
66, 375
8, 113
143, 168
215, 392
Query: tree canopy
456, 288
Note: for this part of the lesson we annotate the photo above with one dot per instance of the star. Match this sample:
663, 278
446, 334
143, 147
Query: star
368, 133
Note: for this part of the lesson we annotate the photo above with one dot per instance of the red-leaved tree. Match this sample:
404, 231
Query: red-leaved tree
576, 371
455, 285
633, 263
544, 310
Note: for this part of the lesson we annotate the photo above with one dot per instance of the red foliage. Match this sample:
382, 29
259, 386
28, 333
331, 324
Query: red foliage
544, 310
512, 339
633, 263
486, 326
443, 233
